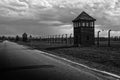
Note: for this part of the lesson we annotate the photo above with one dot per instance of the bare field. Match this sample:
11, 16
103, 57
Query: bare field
114, 44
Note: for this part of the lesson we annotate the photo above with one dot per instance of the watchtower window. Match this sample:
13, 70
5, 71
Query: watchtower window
83, 24
75, 25
87, 24
91, 24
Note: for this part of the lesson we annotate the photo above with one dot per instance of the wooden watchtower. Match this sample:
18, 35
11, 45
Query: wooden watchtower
84, 29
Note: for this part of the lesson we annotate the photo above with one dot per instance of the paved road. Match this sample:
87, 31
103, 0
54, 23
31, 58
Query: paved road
18, 63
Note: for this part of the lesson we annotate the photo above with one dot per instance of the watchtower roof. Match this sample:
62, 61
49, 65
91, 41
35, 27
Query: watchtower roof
84, 16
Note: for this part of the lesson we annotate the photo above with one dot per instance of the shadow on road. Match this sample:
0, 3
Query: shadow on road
25, 67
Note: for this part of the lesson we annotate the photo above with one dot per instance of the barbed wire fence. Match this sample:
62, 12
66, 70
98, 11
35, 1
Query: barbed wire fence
59, 39
68, 39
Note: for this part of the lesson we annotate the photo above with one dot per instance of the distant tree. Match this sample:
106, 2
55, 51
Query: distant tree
24, 37
3, 37
17, 38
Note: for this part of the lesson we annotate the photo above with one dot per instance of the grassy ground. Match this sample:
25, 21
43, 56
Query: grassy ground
103, 58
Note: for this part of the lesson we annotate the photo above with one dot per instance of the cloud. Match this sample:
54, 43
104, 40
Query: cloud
15, 9
60, 13
50, 22
36, 7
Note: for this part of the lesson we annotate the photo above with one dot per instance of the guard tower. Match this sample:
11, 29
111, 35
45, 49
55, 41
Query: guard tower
84, 30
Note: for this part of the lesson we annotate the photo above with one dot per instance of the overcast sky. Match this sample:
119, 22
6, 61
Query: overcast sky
40, 17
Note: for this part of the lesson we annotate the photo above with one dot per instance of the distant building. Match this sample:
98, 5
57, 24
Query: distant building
84, 29
24, 37
30, 38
